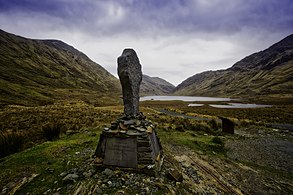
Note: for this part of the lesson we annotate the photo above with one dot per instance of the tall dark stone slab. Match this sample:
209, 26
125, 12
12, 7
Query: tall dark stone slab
130, 75
227, 125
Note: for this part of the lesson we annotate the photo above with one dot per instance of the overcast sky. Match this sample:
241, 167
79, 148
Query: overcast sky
174, 39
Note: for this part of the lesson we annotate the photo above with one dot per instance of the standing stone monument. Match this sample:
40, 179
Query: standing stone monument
131, 141
130, 75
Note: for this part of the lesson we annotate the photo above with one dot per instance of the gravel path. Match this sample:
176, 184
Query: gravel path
269, 151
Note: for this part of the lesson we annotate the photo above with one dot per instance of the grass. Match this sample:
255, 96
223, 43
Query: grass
10, 142
278, 113
81, 124
253, 83
77, 126
35, 73
197, 135
272, 171
51, 131
203, 143
57, 156
38, 124
51, 158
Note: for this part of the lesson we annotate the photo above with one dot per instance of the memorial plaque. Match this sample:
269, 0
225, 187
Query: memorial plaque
121, 152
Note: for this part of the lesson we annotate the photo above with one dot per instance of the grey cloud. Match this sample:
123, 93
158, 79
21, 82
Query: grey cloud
160, 17
175, 38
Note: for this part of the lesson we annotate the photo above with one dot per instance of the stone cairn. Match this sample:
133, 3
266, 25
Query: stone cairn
131, 142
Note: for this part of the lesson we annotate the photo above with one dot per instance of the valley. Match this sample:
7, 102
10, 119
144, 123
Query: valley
55, 102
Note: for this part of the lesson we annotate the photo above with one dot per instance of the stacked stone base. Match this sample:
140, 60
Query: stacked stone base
130, 143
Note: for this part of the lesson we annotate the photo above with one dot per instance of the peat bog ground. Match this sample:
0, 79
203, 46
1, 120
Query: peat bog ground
56, 143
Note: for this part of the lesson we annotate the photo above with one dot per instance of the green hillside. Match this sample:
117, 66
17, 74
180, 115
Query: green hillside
268, 73
38, 72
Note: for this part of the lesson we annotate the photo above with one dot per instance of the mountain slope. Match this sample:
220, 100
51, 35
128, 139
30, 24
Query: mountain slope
265, 73
34, 72
155, 86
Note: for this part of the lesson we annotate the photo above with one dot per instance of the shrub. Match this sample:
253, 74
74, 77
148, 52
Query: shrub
10, 142
201, 127
217, 140
218, 145
51, 131
180, 128
213, 124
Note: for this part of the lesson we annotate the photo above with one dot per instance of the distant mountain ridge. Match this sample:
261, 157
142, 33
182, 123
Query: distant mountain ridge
265, 73
36, 72
275, 55
155, 86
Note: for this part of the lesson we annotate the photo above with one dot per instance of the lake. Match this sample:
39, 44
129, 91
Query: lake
195, 104
239, 105
204, 99
185, 98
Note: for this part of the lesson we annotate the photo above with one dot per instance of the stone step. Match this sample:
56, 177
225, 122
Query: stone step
146, 161
144, 149
143, 144
144, 155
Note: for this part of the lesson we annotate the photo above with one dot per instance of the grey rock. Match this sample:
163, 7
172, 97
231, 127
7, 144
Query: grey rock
99, 191
108, 172
105, 181
50, 170
62, 174
175, 175
70, 177
73, 171
120, 192
141, 129
130, 75
87, 174
109, 183
114, 126
129, 122
48, 191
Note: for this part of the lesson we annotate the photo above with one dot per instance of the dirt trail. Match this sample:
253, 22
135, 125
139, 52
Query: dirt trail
208, 174
231, 177
211, 172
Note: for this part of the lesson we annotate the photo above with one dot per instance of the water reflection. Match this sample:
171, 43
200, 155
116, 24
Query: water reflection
184, 98
204, 99
239, 105
195, 104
